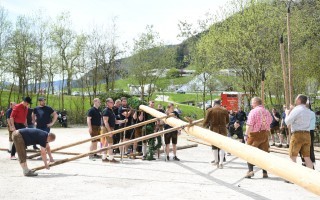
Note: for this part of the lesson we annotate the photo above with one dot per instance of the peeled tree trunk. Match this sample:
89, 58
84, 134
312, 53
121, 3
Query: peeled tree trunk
293, 172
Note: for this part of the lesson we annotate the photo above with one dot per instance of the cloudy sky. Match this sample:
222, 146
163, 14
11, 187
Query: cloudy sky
132, 15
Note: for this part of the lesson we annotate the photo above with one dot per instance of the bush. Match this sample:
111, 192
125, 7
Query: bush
135, 103
173, 73
114, 95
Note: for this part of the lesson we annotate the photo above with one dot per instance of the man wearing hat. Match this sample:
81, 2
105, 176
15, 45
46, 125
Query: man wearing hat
18, 119
44, 116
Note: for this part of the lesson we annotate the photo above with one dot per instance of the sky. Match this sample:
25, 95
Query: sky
132, 16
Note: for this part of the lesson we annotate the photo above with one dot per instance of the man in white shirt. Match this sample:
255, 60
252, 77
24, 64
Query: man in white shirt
299, 119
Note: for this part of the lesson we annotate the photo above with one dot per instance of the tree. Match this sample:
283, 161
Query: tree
5, 32
69, 45
149, 60
22, 44
40, 31
173, 73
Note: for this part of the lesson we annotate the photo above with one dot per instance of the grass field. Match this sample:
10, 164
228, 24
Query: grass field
187, 111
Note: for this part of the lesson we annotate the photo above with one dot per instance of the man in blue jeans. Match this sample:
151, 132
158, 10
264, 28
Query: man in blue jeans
44, 116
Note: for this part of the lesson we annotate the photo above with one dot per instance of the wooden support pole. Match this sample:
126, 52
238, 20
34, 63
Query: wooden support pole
102, 135
287, 95
146, 137
262, 85
61, 152
290, 71
285, 168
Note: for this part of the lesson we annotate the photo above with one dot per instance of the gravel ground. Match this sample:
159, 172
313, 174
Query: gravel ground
191, 178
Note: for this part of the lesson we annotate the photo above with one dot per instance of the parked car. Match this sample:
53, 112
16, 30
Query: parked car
75, 93
180, 91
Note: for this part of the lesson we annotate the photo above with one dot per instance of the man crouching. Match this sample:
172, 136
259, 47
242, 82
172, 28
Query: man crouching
31, 136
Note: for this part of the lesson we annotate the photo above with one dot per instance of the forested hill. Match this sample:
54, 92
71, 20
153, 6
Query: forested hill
247, 41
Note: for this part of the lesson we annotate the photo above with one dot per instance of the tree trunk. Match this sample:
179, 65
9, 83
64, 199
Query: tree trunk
69, 79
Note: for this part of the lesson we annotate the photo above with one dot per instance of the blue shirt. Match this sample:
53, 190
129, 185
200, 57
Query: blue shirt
313, 120
43, 114
283, 116
8, 113
32, 136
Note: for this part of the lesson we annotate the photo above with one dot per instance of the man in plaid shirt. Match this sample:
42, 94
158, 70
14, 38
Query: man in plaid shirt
257, 131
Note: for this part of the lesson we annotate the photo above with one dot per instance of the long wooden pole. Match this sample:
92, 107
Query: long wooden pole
146, 137
262, 85
100, 136
290, 71
284, 73
287, 95
302, 176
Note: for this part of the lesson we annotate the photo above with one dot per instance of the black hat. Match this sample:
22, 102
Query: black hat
28, 100
41, 99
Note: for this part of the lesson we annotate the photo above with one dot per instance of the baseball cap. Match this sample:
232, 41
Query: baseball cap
41, 99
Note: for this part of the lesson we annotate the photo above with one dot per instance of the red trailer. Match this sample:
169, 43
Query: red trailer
232, 100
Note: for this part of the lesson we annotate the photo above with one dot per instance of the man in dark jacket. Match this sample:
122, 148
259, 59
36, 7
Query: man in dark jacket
241, 116
217, 119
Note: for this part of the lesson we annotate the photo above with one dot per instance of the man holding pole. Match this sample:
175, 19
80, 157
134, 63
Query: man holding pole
298, 118
109, 123
217, 119
257, 130
125, 113
31, 136
94, 123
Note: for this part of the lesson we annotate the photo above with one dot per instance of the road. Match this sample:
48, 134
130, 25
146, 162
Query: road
191, 178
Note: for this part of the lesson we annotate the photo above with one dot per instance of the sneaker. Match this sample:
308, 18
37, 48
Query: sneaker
249, 174
287, 146
113, 161
168, 158
220, 166
176, 158
215, 164
97, 156
265, 175
91, 157
13, 158
280, 145
273, 144
30, 173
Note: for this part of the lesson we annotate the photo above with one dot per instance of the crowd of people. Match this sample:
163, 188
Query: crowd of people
29, 126
119, 115
262, 126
